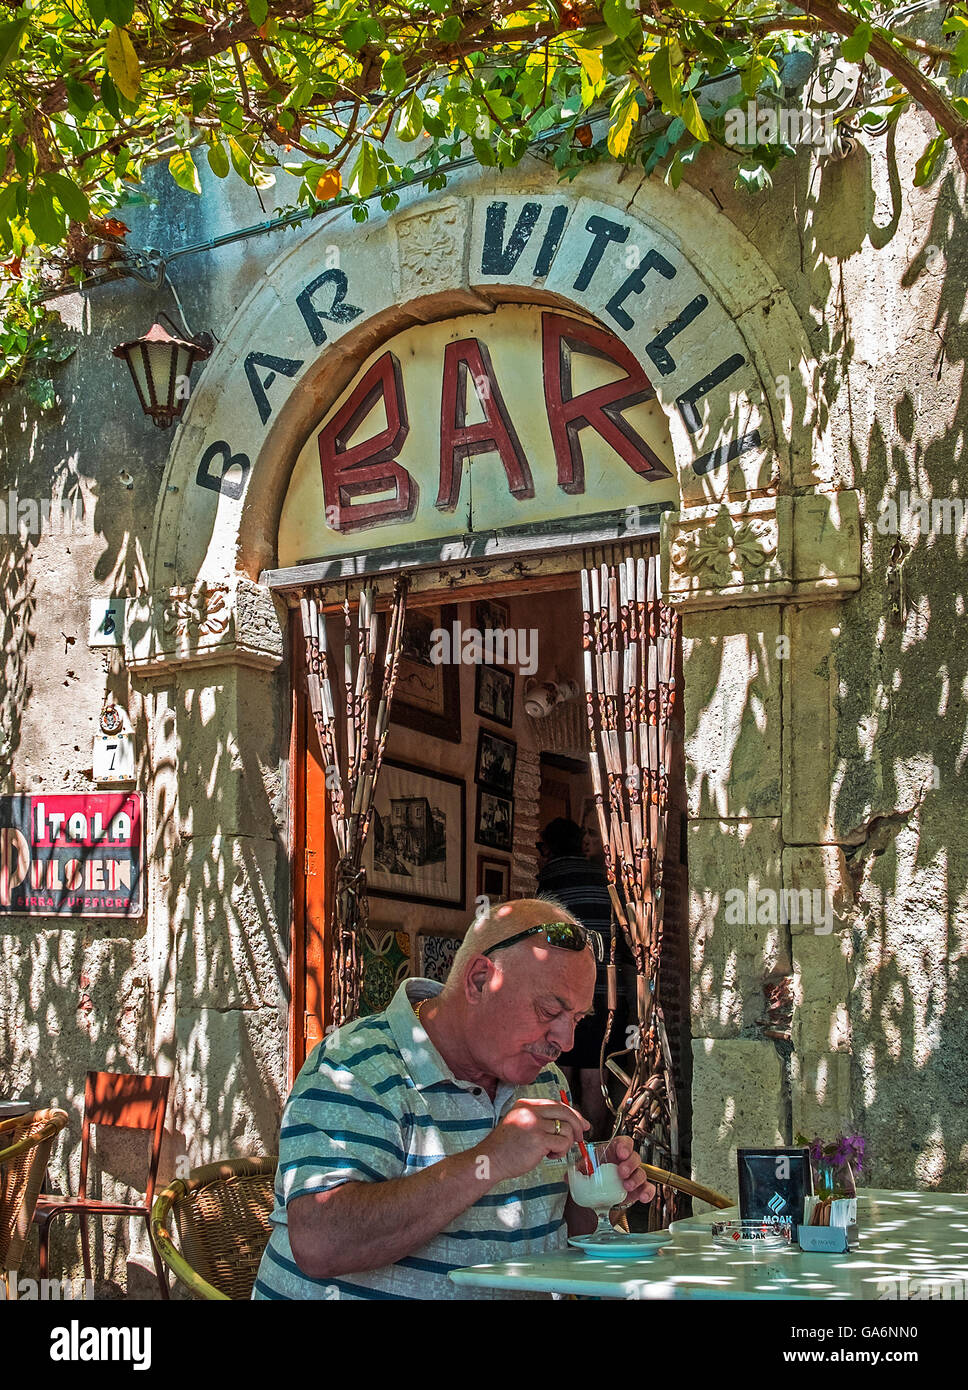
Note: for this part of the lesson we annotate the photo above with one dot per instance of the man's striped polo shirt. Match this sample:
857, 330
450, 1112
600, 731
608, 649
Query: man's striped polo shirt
375, 1100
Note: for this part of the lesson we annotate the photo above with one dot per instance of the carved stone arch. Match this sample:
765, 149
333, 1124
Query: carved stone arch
707, 316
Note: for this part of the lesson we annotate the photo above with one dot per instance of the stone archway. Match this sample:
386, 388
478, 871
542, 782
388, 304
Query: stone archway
759, 528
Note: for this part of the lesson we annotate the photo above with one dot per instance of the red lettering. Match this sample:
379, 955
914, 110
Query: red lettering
495, 433
599, 409
355, 470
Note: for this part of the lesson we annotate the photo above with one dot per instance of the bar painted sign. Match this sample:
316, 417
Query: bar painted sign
73, 855
483, 421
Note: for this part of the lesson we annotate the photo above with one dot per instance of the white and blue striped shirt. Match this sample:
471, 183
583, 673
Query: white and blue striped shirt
375, 1100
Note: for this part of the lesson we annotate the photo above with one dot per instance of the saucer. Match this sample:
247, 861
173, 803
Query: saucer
623, 1245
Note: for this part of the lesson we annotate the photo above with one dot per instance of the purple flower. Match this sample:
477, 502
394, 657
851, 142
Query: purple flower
846, 1148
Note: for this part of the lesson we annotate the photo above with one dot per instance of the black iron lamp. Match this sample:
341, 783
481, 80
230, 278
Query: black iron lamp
160, 367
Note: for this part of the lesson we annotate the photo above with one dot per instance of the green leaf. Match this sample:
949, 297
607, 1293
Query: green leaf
218, 160
46, 351
753, 177
929, 160
394, 76
47, 224
110, 96
80, 95
97, 10
620, 17
71, 198
484, 153
11, 37
855, 48
122, 63
240, 160
201, 95
355, 36
364, 174
258, 11
23, 157
41, 392
410, 119
450, 29
8, 211
676, 130
623, 118
705, 9
695, 124
619, 57
664, 81
119, 12
181, 166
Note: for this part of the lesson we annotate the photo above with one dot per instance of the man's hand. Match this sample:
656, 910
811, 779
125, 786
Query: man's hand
527, 1134
636, 1184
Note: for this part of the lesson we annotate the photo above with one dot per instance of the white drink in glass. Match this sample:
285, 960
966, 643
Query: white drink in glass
600, 1190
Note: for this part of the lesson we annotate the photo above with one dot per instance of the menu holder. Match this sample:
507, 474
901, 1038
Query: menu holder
774, 1185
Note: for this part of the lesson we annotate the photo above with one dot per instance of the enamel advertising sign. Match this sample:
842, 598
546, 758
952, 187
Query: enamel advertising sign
73, 855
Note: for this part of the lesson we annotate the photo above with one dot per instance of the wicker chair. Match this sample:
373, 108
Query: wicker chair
222, 1213
25, 1144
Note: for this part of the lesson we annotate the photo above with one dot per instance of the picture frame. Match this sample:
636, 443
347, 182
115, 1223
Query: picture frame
494, 824
415, 850
490, 615
426, 696
494, 765
494, 694
493, 878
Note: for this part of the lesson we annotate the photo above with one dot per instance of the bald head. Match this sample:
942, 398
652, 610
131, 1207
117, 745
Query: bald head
499, 924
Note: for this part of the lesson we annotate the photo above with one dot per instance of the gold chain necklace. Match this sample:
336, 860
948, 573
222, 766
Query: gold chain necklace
420, 1006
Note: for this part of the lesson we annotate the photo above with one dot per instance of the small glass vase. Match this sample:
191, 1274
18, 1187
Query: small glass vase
834, 1181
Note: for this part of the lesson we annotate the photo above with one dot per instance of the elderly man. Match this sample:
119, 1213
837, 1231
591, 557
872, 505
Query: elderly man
413, 1141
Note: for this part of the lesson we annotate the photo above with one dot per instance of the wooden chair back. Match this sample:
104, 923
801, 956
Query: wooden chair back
121, 1100
25, 1144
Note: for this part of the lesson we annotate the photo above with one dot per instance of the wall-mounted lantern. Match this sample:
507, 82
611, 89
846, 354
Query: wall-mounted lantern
160, 367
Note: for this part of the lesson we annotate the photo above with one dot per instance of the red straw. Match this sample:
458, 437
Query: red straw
581, 1142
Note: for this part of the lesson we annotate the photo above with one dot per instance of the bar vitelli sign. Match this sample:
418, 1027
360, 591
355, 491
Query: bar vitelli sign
511, 418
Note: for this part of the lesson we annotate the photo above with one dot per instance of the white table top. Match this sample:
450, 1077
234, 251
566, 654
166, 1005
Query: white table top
910, 1242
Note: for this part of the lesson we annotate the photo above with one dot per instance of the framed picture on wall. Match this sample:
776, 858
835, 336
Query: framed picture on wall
495, 820
415, 848
493, 878
496, 757
494, 694
491, 616
426, 696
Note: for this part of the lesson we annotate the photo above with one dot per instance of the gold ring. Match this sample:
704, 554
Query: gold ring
557, 1126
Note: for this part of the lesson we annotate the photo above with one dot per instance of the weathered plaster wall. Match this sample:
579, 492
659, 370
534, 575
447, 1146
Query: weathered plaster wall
873, 727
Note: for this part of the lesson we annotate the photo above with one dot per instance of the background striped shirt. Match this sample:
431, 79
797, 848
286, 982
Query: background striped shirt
375, 1100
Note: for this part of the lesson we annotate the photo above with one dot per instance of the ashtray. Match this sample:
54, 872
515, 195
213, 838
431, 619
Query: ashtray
752, 1235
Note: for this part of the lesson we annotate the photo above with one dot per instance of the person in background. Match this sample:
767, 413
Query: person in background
582, 886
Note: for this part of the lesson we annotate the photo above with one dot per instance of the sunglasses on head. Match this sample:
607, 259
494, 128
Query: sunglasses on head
568, 935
